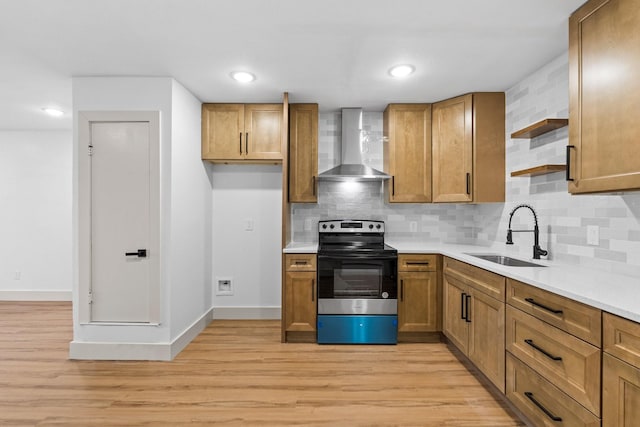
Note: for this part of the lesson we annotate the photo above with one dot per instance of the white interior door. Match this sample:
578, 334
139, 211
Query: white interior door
120, 222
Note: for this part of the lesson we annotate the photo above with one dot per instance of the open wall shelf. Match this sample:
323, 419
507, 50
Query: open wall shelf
539, 170
539, 128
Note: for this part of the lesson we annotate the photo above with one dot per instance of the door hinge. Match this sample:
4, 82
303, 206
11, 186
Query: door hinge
90, 150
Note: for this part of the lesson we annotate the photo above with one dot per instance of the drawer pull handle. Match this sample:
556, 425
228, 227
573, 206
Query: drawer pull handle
297, 262
417, 262
463, 316
542, 408
537, 304
542, 350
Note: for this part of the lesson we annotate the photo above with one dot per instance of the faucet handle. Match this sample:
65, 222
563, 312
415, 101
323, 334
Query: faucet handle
509, 237
537, 251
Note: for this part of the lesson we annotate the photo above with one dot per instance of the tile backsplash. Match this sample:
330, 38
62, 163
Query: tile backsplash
563, 218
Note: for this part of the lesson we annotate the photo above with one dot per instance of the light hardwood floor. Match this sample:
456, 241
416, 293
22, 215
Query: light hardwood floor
236, 373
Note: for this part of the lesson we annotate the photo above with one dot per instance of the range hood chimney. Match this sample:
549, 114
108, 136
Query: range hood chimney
352, 167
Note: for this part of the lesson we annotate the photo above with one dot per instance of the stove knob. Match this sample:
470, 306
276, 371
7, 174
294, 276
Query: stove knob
324, 226
332, 226
378, 226
370, 225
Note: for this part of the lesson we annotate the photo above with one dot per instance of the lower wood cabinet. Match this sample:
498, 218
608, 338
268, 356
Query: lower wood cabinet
419, 298
569, 363
554, 359
300, 298
621, 372
474, 319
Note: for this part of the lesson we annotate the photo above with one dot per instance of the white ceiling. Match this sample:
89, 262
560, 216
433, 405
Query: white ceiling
334, 52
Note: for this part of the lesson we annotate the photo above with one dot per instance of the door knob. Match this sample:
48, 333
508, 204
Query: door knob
141, 253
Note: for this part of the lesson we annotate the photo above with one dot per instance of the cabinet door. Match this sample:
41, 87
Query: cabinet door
620, 393
303, 153
300, 300
455, 327
263, 131
418, 303
407, 152
222, 131
452, 133
604, 96
486, 336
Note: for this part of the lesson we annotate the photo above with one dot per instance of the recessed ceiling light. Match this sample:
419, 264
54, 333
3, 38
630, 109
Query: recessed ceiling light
400, 71
53, 112
243, 76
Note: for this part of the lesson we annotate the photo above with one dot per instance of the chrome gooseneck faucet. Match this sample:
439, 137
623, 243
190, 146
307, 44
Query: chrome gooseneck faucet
537, 250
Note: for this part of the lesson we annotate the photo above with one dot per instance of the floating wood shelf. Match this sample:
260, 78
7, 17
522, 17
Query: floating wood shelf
539, 170
537, 129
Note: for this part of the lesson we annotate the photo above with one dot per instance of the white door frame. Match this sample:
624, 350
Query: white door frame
85, 118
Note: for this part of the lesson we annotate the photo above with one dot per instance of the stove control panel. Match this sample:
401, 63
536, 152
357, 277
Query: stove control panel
351, 226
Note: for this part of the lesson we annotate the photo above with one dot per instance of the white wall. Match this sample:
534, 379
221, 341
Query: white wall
35, 217
185, 220
191, 196
563, 217
251, 258
127, 94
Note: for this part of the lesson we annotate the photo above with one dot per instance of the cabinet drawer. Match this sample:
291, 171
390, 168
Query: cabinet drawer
568, 362
300, 262
576, 318
541, 402
622, 338
482, 280
417, 262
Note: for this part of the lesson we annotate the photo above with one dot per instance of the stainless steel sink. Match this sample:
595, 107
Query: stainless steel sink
505, 260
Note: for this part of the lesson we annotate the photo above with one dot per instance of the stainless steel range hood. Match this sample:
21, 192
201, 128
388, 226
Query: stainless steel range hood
351, 167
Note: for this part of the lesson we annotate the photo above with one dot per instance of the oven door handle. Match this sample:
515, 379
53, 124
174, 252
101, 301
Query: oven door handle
358, 256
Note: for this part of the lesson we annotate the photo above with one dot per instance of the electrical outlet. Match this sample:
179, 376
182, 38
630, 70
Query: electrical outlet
224, 286
248, 224
17, 275
593, 235
413, 226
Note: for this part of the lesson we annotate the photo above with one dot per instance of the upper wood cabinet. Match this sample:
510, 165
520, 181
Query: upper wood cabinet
242, 132
469, 148
303, 153
407, 152
604, 97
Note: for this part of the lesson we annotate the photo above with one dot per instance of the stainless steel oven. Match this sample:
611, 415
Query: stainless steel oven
357, 284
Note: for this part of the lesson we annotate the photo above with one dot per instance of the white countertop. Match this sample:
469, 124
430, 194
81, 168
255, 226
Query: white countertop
301, 248
615, 293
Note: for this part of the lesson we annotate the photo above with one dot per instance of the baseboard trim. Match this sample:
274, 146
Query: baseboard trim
247, 313
183, 340
83, 350
35, 295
